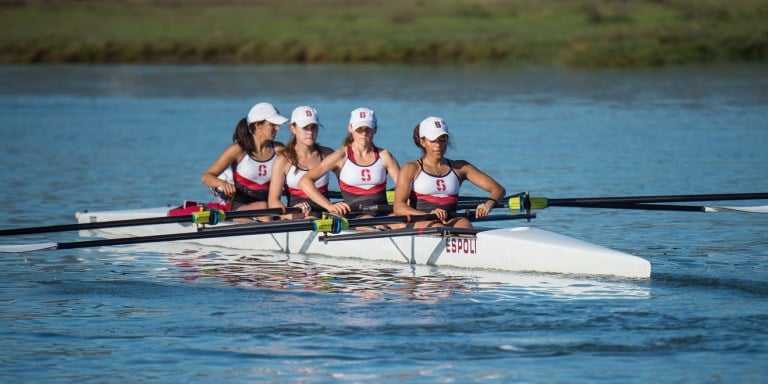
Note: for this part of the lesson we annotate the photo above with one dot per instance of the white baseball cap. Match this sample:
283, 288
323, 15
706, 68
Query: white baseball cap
362, 117
304, 115
265, 111
432, 128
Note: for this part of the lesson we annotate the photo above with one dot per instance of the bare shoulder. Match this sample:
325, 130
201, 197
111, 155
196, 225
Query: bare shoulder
234, 152
280, 160
459, 164
463, 168
411, 167
234, 147
339, 154
333, 159
278, 146
385, 153
463, 165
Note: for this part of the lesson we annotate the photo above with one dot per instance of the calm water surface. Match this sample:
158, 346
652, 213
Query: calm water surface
113, 137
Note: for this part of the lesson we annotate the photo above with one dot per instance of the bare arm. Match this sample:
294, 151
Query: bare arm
279, 169
210, 178
467, 171
307, 182
391, 165
403, 190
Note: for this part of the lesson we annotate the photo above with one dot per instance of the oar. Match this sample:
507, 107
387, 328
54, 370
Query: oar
401, 232
423, 231
333, 225
671, 207
202, 217
526, 202
465, 202
462, 199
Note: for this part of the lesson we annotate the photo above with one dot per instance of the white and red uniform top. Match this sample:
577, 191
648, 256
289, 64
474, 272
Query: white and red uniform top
252, 178
431, 191
295, 194
363, 184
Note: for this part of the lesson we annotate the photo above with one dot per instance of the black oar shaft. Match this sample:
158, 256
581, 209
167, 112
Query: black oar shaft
402, 232
141, 221
658, 198
424, 231
638, 206
240, 230
182, 236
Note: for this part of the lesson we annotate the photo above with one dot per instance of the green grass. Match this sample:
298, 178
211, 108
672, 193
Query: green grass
581, 33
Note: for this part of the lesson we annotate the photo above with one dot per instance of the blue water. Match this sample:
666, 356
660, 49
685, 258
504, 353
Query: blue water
114, 137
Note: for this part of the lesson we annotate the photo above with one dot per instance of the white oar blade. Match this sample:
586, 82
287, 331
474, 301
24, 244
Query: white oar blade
753, 209
20, 248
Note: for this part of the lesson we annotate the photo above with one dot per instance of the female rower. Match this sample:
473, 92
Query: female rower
431, 184
250, 157
361, 167
301, 154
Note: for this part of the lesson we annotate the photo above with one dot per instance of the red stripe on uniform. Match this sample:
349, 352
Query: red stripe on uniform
250, 184
362, 191
439, 200
300, 193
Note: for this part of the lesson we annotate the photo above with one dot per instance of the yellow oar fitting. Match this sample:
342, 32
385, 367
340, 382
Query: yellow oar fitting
538, 202
390, 196
519, 203
332, 224
211, 217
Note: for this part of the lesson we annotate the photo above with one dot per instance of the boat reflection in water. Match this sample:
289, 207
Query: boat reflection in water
389, 281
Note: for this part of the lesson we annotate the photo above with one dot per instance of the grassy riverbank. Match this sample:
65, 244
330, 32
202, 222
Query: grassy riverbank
579, 33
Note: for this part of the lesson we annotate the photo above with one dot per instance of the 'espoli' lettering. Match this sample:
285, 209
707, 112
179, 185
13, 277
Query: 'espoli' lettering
461, 245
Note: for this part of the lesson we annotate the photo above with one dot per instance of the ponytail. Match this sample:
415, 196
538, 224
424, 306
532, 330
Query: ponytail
290, 152
417, 139
243, 136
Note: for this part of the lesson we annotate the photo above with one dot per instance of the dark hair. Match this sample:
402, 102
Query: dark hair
243, 136
348, 140
417, 139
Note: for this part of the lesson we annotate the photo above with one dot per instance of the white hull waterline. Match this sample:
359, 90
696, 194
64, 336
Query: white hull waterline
511, 249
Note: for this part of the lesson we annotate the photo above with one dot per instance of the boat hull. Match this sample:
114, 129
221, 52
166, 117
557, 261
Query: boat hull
519, 249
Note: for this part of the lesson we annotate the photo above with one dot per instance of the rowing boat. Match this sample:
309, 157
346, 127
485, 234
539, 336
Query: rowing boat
518, 248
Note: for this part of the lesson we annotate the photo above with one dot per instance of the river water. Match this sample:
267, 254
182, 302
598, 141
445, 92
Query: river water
119, 137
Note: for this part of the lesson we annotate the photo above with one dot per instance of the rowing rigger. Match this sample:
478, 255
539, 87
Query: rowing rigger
508, 249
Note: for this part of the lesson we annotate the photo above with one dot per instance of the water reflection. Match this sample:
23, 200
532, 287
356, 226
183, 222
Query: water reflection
298, 272
389, 281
